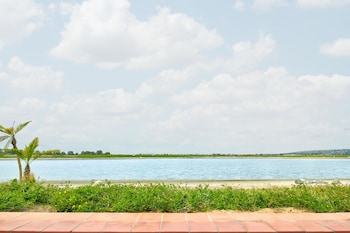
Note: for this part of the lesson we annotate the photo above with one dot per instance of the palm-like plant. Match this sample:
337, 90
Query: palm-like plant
10, 136
28, 155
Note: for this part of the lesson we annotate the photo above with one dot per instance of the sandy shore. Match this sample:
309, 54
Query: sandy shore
209, 183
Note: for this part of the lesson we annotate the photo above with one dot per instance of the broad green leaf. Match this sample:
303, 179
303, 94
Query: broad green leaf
19, 153
2, 128
21, 126
30, 150
7, 131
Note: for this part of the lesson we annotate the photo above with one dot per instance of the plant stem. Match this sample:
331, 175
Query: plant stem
14, 144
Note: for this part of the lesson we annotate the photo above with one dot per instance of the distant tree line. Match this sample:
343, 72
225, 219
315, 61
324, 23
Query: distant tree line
98, 152
58, 152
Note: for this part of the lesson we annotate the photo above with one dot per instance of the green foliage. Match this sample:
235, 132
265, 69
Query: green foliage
17, 196
28, 154
107, 197
10, 137
10, 133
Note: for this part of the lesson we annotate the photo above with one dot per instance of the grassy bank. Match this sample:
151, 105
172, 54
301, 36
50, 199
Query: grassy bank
106, 197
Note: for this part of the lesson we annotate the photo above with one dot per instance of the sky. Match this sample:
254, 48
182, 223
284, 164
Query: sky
184, 76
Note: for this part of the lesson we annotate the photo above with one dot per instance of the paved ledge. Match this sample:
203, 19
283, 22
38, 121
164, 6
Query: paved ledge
211, 222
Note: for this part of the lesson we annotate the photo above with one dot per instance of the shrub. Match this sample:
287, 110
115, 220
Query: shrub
107, 197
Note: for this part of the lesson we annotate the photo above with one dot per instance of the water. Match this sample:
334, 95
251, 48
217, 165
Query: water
182, 169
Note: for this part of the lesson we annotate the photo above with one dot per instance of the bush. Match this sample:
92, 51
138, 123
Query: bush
107, 197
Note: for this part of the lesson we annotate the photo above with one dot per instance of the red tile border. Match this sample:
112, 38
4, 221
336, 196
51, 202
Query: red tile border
90, 227
285, 227
336, 226
62, 226
174, 223
244, 216
212, 222
11, 225
109, 217
148, 222
225, 223
311, 226
200, 222
10, 215
34, 226
257, 227
290, 217
118, 227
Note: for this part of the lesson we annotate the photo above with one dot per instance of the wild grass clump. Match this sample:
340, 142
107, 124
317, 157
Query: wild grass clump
107, 197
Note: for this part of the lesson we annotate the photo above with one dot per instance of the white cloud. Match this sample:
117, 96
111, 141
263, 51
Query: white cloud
113, 36
272, 90
18, 20
325, 89
106, 29
264, 5
202, 96
111, 117
166, 83
226, 112
247, 54
32, 104
67, 8
263, 47
239, 5
322, 3
26, 91
262, 106
110, 102
21, 109
244, 89
338, 48
32, 78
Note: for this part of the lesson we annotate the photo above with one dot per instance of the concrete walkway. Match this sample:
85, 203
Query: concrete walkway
25, 222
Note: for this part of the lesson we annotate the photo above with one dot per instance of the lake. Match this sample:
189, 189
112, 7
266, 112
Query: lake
181, 169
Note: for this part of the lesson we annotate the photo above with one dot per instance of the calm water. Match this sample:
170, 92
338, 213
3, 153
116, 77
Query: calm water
182, 169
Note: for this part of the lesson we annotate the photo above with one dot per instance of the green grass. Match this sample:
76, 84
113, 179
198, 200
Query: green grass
107, 197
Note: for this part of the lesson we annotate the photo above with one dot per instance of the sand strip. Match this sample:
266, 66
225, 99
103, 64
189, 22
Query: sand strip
209, 183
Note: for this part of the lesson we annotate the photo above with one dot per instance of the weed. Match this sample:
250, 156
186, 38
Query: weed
107, 197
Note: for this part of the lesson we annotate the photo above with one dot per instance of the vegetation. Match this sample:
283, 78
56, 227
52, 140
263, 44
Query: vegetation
107, 155
107, 197
29, 155
10, 134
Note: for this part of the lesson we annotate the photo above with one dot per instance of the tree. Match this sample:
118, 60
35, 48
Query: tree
99, 152
10, 134
29, 155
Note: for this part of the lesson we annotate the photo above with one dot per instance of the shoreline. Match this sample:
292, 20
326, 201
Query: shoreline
210, 183
116, 157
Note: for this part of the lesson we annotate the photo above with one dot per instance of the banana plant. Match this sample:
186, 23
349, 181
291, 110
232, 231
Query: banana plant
10, 134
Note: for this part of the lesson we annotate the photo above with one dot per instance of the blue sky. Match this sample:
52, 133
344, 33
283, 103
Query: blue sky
128, 76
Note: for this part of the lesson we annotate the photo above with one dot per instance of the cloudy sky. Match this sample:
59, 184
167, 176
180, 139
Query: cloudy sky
160, 76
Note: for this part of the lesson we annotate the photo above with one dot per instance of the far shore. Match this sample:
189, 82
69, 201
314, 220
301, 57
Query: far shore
186, 156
